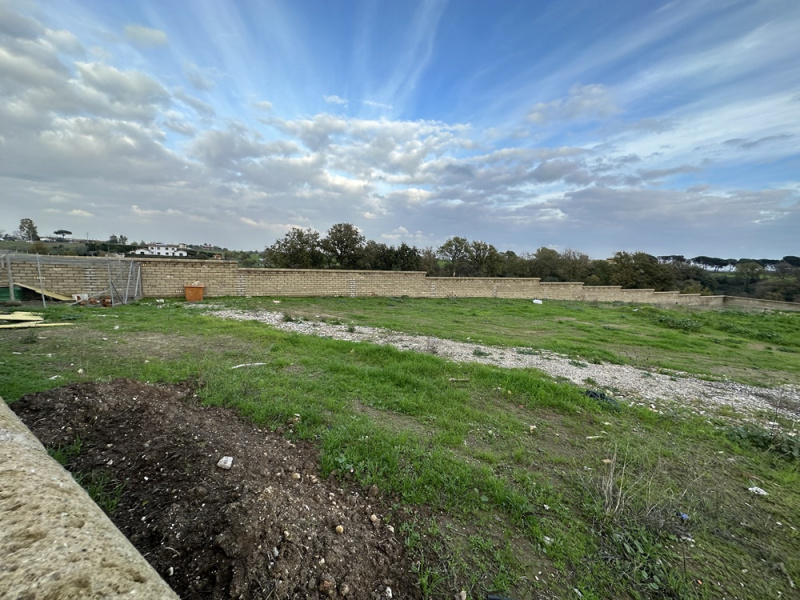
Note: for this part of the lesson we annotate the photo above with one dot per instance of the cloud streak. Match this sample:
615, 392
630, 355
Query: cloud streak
145, 37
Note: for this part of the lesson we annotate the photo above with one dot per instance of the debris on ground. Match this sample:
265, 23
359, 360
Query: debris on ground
23, 320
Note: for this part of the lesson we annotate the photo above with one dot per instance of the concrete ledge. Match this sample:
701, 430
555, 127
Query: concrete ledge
55, 542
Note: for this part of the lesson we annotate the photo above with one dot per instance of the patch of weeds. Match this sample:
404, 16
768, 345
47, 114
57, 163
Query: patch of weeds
642, 559
287, 318
577, 363
680, 323
527, 351
351, 328
65, 453
480, 352
428, 566
590, 381
634, 544
481, 543
432, 346
30, 337
768, 336
105, 491
763, 439
101, 488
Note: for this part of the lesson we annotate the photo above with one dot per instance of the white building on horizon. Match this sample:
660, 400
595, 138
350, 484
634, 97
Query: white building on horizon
161, 250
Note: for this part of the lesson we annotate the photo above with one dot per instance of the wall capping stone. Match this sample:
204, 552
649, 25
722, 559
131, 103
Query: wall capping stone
55, 542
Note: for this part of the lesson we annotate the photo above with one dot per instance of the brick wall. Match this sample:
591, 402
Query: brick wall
163, 278
755, 304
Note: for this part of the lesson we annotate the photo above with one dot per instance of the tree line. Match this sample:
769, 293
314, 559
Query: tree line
344, 247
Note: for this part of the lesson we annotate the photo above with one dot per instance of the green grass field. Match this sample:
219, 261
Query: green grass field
504, 481
761, 348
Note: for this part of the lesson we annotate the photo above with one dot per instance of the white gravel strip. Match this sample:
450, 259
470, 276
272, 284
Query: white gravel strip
624, 382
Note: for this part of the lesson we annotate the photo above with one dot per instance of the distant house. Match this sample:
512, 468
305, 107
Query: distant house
161, 250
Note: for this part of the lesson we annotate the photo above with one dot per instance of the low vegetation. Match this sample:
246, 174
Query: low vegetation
759, 348
503, 480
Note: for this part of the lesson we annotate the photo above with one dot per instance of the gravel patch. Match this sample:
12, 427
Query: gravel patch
626, 383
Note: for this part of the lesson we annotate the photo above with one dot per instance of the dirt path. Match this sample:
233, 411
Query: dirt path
627, 383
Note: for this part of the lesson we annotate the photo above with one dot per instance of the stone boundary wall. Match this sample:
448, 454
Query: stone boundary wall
165, 278
55, 542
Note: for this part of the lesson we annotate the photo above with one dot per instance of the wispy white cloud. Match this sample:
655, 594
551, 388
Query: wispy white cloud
201, 108
201, 79
592, 101
79, 212
145, 37
414, 57
264, 105
336, 100
375, 104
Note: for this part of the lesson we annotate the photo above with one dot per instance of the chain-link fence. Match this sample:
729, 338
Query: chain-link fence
109, 280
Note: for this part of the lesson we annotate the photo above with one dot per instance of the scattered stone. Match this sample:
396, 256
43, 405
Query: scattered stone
327, 585
626, 380
226, 462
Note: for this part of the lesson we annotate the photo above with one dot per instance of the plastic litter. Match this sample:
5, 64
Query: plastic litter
758, 491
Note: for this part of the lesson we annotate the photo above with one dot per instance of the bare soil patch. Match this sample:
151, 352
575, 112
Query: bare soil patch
268, 527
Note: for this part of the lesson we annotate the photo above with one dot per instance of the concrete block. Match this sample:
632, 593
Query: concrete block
55, 542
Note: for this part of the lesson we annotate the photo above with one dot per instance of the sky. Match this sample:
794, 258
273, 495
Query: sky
669, 127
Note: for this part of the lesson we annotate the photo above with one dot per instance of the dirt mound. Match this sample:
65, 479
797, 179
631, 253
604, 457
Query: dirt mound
268, 527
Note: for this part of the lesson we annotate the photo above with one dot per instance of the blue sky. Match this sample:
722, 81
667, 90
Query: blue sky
666, 127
